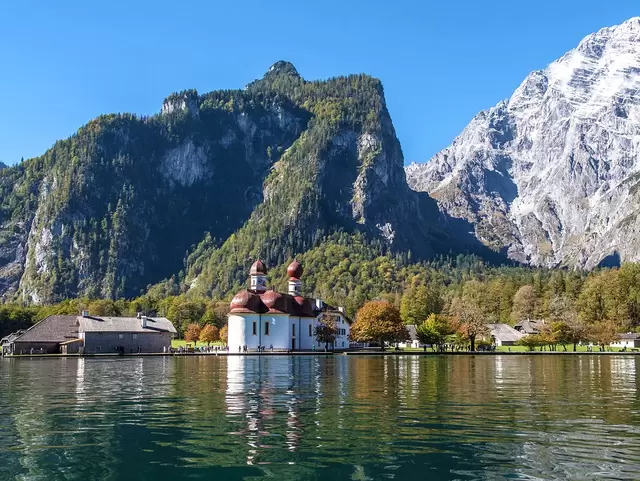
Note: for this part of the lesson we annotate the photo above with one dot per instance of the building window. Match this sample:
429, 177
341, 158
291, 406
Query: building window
135, 336
293, 329
266, 328
120, 336
310, 330
255, 328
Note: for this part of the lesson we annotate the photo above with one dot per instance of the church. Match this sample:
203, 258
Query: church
264, 317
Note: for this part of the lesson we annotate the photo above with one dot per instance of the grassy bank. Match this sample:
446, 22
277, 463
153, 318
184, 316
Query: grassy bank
526, 349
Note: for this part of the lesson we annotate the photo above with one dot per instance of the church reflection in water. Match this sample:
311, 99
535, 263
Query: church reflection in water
264, 394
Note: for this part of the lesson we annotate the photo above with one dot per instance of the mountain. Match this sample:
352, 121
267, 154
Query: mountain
193, 194
551, 176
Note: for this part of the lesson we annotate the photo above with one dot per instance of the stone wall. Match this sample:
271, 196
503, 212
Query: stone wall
108, 342
38, 347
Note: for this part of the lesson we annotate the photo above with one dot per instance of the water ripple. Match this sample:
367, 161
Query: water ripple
335, 418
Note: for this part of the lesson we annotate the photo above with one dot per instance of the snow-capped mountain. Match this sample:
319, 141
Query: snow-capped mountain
551, 176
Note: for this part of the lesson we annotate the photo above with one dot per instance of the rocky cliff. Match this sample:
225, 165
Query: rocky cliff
551, 176
211, 182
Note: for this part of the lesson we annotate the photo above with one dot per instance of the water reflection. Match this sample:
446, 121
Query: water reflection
464, 417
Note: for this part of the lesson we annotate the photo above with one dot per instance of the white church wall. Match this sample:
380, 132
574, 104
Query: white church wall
241, 331
305, 332
279, 336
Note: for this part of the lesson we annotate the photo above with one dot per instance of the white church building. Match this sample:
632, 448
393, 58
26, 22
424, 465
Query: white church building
264, 317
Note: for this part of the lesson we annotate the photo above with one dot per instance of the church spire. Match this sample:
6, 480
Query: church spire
258, 274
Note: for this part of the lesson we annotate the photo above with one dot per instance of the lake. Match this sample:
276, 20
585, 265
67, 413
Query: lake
321, 418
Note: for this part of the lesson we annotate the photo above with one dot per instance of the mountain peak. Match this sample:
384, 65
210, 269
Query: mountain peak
551, 176
282, 67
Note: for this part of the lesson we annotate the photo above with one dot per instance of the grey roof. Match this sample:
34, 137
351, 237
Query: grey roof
11, 337
529, 326
51, 329
629, 335
125, 324
504, 332
413, 332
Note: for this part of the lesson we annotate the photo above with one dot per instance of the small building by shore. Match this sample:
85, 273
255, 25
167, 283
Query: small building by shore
7, 341
94, 335
529, 326
412, 341
628, 340
504, 334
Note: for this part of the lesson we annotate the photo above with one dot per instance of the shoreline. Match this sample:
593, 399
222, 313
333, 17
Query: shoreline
323, 353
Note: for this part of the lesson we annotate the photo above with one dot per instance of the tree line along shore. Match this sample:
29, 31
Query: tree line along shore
450, 304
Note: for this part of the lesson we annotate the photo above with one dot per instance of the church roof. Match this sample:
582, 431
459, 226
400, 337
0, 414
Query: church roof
273, 302
270, 301
247, 301
258, 268
295, 270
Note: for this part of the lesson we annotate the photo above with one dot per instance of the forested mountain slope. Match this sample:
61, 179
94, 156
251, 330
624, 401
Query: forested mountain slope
270, 171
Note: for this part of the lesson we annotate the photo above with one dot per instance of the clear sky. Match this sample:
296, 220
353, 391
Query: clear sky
64, 62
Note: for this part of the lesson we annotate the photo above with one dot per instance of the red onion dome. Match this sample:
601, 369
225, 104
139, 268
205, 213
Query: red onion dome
275, 302
258, 268
270, 298
245, 301
295, 270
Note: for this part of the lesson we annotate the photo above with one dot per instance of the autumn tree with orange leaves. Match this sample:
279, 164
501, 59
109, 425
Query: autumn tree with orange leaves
209, 334
224, 333
192, 333
380, 322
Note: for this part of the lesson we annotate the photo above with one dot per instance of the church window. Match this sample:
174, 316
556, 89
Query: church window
266, 328
310, 330
255, 328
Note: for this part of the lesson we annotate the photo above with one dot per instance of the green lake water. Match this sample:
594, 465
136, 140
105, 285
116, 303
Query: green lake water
321, 418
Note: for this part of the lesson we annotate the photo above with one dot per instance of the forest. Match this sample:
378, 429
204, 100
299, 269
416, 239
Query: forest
347, 270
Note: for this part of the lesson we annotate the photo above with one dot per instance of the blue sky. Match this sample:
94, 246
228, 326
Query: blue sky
64, 62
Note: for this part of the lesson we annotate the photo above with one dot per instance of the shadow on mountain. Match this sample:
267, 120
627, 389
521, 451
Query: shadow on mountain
457, 236
503, 185
612, 260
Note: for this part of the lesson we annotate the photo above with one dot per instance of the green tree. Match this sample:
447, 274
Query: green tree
183, 311
531, 341
524, 303
434, 330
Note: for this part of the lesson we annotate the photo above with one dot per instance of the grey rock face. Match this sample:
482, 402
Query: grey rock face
552, 175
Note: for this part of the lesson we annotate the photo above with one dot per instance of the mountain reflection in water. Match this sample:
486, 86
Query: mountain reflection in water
316, 418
